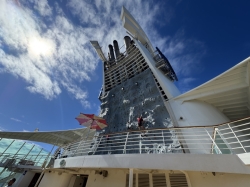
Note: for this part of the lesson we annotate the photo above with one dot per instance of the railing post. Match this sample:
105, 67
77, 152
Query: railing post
214, 136
46, 159
3, 158
16, 154
28, 153
124, 150
237, 138
41, 158
8, 147
86, 139
38, 155
140, 146
79, 144
213, 141
163, 140
97, 145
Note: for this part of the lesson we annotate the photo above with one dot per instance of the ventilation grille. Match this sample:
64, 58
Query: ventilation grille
159, 180
134, 180
178, 180
143, 180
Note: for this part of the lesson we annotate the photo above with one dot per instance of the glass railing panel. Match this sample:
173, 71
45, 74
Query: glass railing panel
14, 147
26, 149
221, 147
16, 152
4, 144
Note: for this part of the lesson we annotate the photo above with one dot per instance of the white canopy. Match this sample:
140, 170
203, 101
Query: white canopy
58, 138
228, 92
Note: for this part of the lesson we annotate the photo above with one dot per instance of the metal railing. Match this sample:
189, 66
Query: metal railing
11, 164
12, 161
229, 138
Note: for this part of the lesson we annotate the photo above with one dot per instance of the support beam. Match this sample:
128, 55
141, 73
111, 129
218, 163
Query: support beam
131, 177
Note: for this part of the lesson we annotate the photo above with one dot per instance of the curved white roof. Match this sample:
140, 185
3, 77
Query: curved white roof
58, 138
229, 92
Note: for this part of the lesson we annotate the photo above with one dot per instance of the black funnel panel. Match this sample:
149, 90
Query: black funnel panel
111, 52
127, 41
117, 51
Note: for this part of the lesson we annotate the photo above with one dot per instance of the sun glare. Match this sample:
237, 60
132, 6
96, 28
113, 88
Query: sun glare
40, 46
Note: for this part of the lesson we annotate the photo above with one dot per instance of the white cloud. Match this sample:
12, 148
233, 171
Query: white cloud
46, 59
188, 80
42, 6
55, 53
17, 120
2, 129
106, 26
185, 84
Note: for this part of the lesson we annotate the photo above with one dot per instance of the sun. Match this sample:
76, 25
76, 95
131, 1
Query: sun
40, 46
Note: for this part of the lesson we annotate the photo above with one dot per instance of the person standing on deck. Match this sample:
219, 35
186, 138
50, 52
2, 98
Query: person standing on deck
140, 126
11, 182
140, 120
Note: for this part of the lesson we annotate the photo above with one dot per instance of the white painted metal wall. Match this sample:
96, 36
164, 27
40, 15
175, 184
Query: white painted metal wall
55, 179
197, 113
207, 179
191, 162
115, 178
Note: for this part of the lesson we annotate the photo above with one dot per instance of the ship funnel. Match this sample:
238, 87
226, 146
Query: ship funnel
111, 52
127, 41
117, 51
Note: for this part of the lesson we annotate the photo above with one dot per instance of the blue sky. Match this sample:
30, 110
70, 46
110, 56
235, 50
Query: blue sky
49, 72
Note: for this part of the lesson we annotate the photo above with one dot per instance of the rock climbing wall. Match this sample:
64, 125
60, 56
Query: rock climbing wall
139, 95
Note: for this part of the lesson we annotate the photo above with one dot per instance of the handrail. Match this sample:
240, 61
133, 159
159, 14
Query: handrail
178, 128
193, 139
